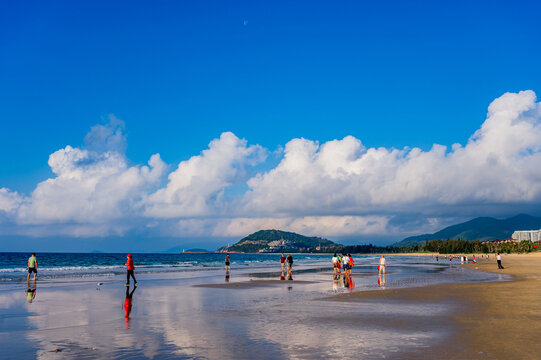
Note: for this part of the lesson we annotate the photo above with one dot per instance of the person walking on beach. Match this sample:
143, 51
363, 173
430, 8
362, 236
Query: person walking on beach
345, 262
499, 260
283, 261
130, 267
32, 267
335, 263
382, 265
227, 263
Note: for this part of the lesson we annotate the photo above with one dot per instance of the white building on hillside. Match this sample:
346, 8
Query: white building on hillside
527, 235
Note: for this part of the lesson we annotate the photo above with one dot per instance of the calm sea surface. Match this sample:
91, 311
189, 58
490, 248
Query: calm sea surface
62, 265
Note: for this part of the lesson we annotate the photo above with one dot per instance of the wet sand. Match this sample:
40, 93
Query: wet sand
496, 320
251, 317
253, 284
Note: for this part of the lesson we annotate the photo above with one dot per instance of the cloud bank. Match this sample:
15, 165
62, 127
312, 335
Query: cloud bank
337, 188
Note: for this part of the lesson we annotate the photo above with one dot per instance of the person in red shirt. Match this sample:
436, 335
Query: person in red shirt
130, 268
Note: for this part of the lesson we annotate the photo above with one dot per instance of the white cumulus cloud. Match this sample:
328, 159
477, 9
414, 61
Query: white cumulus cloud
499, 164
336, 188
197, 186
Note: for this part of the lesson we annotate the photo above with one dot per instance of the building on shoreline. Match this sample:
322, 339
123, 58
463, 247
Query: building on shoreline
527, 235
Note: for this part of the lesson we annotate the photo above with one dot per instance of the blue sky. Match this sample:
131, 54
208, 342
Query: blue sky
179, 74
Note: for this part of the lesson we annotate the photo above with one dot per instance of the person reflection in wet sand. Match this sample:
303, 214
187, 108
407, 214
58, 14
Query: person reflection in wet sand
227, 276
30, 293
128, 305
381, 280
351, 284
290, 276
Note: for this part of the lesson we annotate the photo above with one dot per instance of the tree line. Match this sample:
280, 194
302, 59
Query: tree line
449, 246
454, 246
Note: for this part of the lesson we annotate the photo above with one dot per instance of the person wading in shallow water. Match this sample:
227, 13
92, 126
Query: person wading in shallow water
130, 268
32, 267
227, 263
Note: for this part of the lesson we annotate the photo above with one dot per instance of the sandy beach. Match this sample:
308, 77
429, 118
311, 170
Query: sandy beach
425, 310
495, 320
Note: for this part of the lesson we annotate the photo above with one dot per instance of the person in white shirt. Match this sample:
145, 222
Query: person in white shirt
335, 264
499, 259
345, 262
382, 264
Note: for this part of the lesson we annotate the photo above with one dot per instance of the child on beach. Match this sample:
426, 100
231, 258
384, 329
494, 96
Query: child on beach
227, 263
130, 268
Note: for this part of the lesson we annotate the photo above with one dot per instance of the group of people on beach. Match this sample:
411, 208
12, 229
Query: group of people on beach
342, 261
289, 261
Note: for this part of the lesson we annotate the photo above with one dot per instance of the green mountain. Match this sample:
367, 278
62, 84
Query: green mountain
481, 228
276, 241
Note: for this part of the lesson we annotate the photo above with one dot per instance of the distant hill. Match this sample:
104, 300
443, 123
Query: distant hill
178, 249
481, 228
196, 250
276, 241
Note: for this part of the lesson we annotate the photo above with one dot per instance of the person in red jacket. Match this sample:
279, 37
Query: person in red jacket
130, 268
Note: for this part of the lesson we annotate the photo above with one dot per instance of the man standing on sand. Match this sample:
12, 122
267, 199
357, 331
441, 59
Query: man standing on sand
499, 260
227, 263
382, 265
130, 268
32, 267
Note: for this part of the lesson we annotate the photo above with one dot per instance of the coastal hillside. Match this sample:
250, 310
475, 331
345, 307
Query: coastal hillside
481, 228
276, 241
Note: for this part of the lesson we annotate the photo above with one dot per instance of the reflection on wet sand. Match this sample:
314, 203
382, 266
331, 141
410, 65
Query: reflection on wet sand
227, 276
30, 292
381, 280
128, 305
240, 319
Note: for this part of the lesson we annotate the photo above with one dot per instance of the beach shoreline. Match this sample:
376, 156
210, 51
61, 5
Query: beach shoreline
493, 320
442, 321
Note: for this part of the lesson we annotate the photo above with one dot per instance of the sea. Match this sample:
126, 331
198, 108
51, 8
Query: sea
63, 267
83, 265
